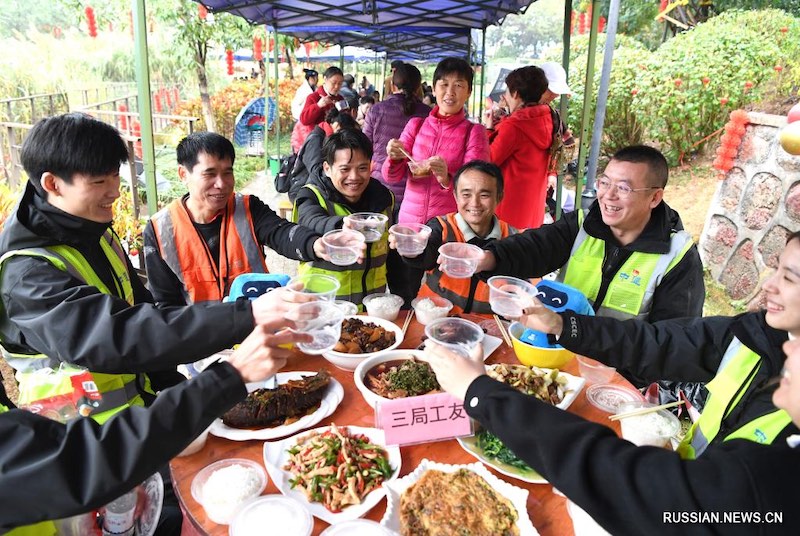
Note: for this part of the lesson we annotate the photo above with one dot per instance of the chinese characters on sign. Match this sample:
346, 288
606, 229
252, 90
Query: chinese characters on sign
421, 419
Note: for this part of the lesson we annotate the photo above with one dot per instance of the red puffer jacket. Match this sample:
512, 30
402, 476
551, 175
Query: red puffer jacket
520, 146
456, 139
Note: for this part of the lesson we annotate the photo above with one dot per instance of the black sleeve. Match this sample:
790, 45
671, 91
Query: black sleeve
682, 291
83, 465
311, 152
627, 488
164, 284
683, 349
427, 259
536, 252
288, 239
58, 315
314, 216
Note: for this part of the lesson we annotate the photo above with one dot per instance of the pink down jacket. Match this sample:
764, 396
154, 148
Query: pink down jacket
454, 138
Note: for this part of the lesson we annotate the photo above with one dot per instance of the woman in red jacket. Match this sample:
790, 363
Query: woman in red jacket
520, 146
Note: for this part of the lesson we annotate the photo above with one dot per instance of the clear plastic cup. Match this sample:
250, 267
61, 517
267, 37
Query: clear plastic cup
420, 168
653, 429
320, 319
319, 286
411, 238
371, 224
509, 295
459, 259
456, 334
343, 246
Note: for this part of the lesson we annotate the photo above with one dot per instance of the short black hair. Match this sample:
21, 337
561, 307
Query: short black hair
349, 80
454, 66
366, 100
71, 143
644, 154
344, 120
484, 167
397, 63
347, 138
211, 143
529, 83
332, 71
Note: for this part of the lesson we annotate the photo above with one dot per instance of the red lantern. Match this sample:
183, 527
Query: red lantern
582, 23
661, 7
176, 95
202, 12
257, 55
271, 44
601, 24
91, 22
572, 22
229, 60
123, 119
307, 47
157, 101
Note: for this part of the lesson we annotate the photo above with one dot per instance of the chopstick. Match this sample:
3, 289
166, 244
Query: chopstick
645, 411
407, 322
503, 331
407, 156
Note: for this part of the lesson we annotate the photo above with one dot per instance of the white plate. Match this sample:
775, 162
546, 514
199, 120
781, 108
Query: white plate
573, 386
517, 496
329, 403
276, 456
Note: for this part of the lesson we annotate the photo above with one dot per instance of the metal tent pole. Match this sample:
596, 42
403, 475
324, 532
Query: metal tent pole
483, 72
588, 194
277, 78
602, 93
266, 106
142, 66
564, 100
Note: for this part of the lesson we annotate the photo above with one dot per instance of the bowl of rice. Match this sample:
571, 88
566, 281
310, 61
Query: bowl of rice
431, 308
224, 486
383, 305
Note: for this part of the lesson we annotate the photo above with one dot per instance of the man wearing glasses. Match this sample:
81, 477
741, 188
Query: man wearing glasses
628, 253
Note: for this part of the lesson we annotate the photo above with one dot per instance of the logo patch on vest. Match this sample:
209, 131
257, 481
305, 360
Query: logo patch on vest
761, 437
634, 279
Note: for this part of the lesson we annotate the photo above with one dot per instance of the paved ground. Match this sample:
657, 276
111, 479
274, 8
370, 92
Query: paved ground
263, 187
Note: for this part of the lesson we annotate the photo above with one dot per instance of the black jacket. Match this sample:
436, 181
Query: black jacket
536, 252
50, 470
376, 198
629, 489
684, 349
46, 310
309, 161
288, 239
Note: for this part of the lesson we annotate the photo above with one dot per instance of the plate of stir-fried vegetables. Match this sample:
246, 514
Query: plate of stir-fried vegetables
336, 471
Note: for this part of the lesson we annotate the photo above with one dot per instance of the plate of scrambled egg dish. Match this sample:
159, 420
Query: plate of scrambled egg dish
455, 499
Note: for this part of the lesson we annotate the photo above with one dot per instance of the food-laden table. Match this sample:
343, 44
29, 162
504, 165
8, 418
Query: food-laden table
546, 509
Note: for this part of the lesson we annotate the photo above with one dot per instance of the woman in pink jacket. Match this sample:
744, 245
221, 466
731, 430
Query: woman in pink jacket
440, 144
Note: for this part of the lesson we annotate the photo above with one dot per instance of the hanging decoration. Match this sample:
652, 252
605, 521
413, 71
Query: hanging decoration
582, 23
257, 50
730, 141
307, 47
91, 22
601, 24
271, 44
229, 60
202, 11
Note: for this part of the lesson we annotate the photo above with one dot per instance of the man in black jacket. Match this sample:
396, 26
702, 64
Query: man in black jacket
195, 247
68, 469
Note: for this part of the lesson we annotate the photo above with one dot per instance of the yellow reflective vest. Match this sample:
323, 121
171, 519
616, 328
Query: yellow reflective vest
735, 374
118, 390
357, 280
630, 293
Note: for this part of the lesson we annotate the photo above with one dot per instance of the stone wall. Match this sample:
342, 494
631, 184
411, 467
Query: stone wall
755, 208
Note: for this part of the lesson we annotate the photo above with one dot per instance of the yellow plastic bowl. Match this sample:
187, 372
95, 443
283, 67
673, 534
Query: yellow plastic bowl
534, 356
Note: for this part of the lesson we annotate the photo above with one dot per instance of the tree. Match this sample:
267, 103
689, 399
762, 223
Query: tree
524, 35
196, 35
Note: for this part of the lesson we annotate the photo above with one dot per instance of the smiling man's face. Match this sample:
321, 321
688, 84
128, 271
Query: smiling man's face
349, 173
210, 183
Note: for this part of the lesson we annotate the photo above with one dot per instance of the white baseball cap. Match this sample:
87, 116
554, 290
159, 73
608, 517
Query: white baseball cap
556, 78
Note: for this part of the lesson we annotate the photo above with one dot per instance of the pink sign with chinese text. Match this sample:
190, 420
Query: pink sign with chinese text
421, 419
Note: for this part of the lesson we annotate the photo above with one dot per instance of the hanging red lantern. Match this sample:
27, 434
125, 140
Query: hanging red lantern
582, 23
91, 22
661, 7
271, 44
307, 47
572, 22
202, 11
257, 51
123, 119
601, 24
176, 96
589, 14
229, 60
157, 102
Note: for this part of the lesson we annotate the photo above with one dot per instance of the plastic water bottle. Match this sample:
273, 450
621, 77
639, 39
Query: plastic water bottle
119, 515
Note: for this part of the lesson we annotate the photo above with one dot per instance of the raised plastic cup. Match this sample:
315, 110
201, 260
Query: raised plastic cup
318, 286
320, 319
348, 308
371, 224
421, 168
594, 371
459, 260
508, 296
343, 246
411, 238
654, 429
455, 334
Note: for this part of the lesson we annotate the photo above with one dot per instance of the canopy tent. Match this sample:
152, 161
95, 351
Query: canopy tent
331, 54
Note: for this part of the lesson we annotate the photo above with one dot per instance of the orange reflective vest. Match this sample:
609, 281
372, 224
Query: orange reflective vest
186, 253
468, 295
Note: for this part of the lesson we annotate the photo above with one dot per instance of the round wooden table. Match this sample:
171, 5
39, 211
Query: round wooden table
546, 509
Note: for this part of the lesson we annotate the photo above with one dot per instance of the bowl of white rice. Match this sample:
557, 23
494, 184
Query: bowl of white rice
654, 429
224, 486
383, 305
431, 308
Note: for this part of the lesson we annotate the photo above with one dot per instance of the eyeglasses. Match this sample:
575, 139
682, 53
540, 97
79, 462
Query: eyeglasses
623, 190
